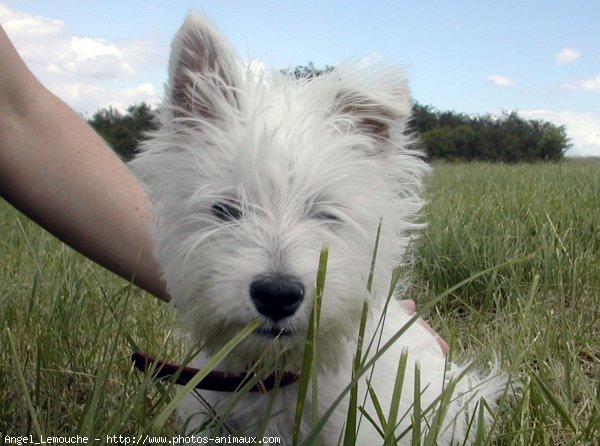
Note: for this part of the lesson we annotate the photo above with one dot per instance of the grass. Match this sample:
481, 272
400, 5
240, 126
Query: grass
67, 328
542, 314
67, 331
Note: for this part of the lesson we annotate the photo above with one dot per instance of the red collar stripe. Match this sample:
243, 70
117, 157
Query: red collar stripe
218, 381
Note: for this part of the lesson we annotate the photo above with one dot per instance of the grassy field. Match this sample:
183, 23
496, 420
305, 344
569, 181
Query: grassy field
67, 328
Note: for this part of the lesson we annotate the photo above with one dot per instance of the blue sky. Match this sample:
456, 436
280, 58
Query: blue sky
540, 58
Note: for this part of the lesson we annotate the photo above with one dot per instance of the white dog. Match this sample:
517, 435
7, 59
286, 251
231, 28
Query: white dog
252, 173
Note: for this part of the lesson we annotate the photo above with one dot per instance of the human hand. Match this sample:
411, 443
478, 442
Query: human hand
411, 308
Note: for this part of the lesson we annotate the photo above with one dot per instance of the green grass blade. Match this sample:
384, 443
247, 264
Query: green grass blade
351, 427
23, 384
371, 420
374, 259
390, 427
319, 289
417, 418
309, 366
555, 402
378, 410
161, 418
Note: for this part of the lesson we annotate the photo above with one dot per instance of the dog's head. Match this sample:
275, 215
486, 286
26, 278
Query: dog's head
253, 172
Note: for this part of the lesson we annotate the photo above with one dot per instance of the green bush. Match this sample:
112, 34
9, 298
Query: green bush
507, 138
123, 131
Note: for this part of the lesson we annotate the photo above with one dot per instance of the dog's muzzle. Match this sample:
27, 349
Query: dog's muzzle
276, 296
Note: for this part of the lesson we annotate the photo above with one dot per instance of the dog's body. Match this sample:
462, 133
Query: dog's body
252, 173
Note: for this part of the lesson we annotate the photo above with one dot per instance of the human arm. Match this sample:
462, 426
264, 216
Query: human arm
55, 169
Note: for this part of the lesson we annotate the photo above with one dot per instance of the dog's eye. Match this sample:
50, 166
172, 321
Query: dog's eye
226, 211
327, 216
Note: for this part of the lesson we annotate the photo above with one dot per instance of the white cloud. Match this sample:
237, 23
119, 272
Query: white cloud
92, 97
569, 87
592, 84
49, 49
17, 23
145, 89
501, 81
373, 58
33, 36
567, 55
91, 57
86, 71
582, 128
124, 98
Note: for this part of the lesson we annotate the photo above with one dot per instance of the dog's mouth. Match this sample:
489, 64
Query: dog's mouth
275, 332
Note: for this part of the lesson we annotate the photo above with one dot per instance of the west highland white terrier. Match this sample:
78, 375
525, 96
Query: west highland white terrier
252, 172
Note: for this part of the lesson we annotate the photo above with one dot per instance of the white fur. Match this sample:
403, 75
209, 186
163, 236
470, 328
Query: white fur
308, 163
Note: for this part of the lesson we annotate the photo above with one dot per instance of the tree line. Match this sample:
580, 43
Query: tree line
507, 138
441, 135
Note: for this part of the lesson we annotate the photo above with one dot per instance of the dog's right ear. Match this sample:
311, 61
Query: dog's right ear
203, 72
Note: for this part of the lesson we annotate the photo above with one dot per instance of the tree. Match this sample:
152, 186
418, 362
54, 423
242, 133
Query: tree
507, 138
121, 131
307, 71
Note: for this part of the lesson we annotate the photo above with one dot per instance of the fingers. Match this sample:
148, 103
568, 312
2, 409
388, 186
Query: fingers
411, 308
409, 305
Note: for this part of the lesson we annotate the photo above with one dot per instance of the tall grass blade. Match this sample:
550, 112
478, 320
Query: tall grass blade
378, 411
555, 402
161, 418
23, 384
417, 412
309, 366
321, 275
390, 427
351, 428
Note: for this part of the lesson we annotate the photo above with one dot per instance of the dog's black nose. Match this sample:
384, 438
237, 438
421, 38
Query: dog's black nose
276, 296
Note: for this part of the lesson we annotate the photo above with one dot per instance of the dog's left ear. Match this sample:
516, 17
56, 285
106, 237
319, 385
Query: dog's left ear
203, 71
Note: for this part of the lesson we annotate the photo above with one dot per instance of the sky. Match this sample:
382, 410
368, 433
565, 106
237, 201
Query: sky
539, 58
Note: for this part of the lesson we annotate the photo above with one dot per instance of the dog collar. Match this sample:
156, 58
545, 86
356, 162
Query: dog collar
215, 380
